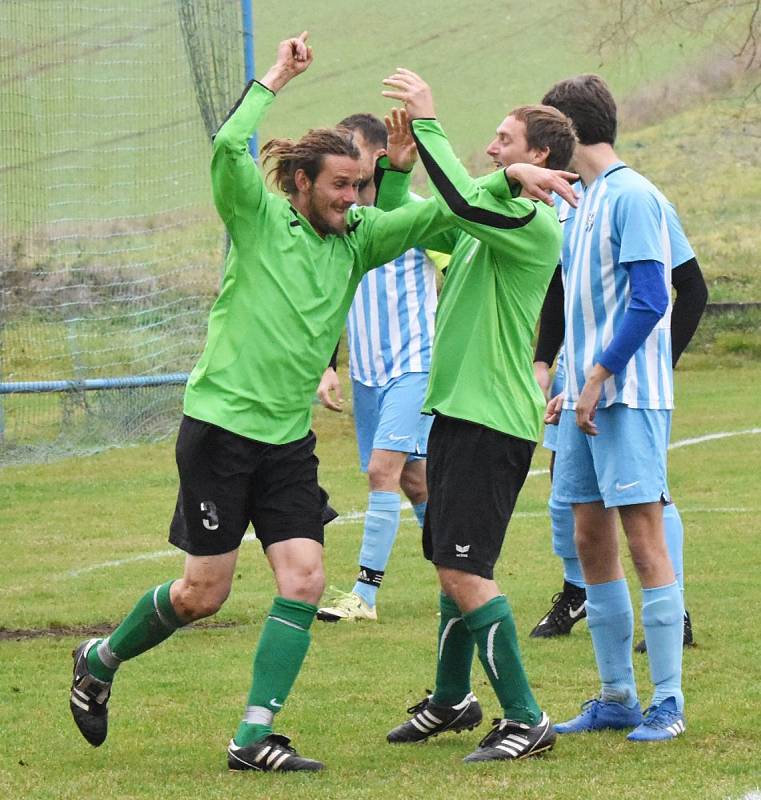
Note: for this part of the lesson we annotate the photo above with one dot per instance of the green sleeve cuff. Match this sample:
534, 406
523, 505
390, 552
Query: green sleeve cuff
500, 186
393, 186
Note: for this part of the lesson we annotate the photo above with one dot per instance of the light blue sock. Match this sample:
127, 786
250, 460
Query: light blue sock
381, 526
674, 532
611, 623
419, 509
662, 618
561, 521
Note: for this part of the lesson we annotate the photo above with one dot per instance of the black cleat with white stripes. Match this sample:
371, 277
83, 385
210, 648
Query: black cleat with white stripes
429, 719
272, 754
510, 741
88, 700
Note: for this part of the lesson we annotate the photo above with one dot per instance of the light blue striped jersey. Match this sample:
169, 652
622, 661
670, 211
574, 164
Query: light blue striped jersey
621, 218
391, 320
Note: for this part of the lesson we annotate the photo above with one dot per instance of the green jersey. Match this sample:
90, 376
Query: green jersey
504, 252
285, 293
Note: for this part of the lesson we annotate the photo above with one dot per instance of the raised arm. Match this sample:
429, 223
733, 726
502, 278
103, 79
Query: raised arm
385, 235
484, 208
237, 184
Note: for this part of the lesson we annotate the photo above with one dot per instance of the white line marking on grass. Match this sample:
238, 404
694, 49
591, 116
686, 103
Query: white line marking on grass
356, 516
709, 437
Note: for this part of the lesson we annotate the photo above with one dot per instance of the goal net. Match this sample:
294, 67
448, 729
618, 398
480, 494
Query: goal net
110, 248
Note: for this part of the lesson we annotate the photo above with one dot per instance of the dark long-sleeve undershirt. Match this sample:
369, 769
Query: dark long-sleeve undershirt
689, 304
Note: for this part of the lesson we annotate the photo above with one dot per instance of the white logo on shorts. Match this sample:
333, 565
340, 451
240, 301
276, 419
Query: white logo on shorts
211, 518
462, 550
394, 438
621, 487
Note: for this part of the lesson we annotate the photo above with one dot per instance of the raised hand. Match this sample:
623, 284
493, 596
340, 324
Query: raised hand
411, 90
401, 148
540, 182
294, 56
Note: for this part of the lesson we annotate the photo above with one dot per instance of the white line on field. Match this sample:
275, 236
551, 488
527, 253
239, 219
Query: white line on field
355, 516
709, 437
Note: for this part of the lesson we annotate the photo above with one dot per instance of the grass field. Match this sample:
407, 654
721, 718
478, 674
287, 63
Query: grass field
84, 537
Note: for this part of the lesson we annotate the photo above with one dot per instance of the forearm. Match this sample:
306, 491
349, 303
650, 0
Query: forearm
392, 185
484, 208
236, 183
648, 304
391, 233
333, 363
244, 117
689, 303
551, 321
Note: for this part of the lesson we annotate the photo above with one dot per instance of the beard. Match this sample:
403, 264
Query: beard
319, 220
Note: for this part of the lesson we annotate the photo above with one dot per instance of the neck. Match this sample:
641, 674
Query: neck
591, 160
301, 204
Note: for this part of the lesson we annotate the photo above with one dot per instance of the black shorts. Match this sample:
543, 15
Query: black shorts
227, 481
474, 476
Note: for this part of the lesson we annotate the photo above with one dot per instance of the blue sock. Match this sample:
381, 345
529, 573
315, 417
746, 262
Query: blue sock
663, 620
381, 526
419, 509
561, 521
674, 532
611, 623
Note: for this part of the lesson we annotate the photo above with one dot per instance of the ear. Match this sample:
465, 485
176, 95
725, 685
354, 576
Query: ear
540, 156
379, 153
301, 179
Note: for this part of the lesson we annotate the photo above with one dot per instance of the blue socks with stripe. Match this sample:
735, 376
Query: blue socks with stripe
381, 526
673, 530
611, 624
663, 620
562, 523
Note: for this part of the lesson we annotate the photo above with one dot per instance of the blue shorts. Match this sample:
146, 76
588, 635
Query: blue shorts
388, 417
623, 465
550, 440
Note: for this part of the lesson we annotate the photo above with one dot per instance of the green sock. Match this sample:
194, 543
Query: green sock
493, 628
279, 655
152, 620
455, 655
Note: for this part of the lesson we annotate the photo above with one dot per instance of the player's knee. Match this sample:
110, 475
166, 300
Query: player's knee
583, 540
196, 600
382, 477
305, 583
459, 585
648, 561
414, 488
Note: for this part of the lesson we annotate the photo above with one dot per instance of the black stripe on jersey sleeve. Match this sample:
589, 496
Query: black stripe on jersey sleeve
458, 204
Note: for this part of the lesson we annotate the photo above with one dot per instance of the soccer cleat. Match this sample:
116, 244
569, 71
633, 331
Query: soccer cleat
661, 723
568, 607
89, 698
510, 740
271, 754
430, 719
597, 715
348, 606
687, 640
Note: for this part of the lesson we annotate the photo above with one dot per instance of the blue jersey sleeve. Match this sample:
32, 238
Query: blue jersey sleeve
681, 252
648, 303
637, 216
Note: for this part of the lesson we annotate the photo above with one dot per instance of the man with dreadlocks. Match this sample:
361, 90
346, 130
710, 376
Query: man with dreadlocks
245, 453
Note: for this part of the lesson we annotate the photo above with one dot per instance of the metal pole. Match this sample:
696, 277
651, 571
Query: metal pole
247, 13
